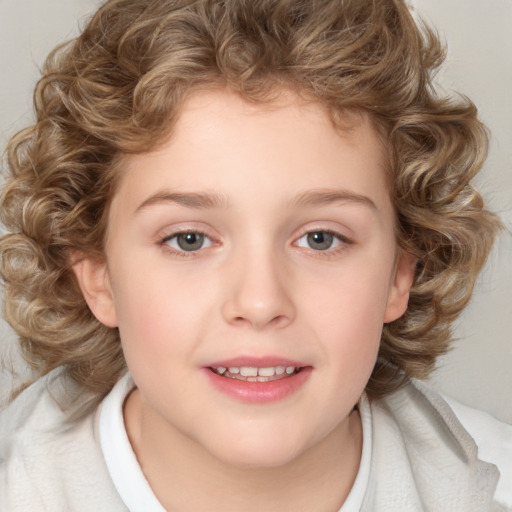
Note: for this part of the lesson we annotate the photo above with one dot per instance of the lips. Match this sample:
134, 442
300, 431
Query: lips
258, 380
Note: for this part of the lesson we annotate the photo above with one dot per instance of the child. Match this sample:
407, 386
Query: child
239, 231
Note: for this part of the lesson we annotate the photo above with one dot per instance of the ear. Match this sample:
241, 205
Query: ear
93, 278
403, 278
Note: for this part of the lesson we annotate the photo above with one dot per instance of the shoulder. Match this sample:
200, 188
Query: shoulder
421, 449
46, 461
494, 441
33, 406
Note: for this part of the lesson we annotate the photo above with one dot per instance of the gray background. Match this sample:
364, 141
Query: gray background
478, 372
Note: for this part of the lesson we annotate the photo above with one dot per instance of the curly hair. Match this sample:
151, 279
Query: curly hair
118, 88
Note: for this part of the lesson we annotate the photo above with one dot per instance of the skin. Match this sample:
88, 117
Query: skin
256, 287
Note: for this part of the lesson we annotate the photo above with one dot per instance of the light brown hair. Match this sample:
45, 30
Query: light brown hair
117, 89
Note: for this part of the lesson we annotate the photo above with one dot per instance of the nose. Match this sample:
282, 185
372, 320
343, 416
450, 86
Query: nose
258, 295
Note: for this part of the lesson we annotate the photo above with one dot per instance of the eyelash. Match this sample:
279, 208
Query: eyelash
163, 242
344, 242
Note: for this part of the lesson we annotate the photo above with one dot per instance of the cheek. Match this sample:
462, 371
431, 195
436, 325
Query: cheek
161, 313
348, 315
354, 297
156, 335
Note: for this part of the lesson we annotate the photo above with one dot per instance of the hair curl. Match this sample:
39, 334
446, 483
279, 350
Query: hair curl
118, 88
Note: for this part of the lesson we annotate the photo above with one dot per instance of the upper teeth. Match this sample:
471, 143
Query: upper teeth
250, 371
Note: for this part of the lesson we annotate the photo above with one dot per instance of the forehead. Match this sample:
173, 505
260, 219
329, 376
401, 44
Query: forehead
222, 143
212, 111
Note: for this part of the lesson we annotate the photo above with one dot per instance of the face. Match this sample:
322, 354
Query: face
251, 264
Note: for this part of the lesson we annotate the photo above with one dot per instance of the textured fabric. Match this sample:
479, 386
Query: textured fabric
422, 458
494, 441
46, 466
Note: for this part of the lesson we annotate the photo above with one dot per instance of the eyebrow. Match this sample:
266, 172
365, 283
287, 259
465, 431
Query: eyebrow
205, 200
325, 197
198, 200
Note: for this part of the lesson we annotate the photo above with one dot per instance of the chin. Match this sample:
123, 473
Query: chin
257, 453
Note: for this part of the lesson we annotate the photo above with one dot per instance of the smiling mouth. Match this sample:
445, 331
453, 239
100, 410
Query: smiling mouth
253, 374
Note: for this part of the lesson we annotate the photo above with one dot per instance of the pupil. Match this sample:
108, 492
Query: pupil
320, 240
190, 241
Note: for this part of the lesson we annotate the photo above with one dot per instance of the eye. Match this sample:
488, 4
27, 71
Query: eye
189, 241
321, 240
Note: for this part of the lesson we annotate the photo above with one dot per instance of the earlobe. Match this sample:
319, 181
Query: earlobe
398, 298
93, 278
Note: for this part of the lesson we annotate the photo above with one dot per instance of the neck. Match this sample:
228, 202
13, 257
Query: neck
184, 476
